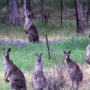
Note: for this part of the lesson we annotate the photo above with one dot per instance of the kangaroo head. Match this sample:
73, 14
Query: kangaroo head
6, 52
39, 57
67, 55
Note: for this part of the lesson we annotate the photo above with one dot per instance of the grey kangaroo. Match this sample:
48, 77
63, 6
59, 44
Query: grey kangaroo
39, 80
88, 54
13, 74
74, 71
31, 30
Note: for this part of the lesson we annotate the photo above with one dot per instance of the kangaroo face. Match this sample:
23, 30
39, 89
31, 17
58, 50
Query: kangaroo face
6, 52
39, 57
38, 65
67, 55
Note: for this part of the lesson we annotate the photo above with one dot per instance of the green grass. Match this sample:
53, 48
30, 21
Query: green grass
24, 57
60, 38
63, 38
53, 29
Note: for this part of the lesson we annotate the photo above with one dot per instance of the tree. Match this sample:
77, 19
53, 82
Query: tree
79, 17
13, 12
88, 12
61, 2
44, 16
28, 6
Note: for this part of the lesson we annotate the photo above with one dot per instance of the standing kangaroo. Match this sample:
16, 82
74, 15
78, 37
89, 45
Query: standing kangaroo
13, 74
39, 80
74, 71
31, 30
88, 53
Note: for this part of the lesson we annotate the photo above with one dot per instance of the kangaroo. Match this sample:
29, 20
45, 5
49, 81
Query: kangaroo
39, 80
31, 30
75, 73
88, 53
13, 74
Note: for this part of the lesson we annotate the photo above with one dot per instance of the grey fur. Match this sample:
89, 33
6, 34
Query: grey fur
39, 80
31, 30
75, 73
13, 74
88, 54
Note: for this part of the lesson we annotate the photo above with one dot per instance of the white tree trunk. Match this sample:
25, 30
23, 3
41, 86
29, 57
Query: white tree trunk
24, 8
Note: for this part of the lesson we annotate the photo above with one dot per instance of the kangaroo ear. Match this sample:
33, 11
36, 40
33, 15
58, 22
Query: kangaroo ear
3, 49
64, 52
9, 49
69, 51
36, 54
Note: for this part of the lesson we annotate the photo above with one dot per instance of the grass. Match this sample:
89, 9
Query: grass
23, 53
60, 38
26, 53
51, 29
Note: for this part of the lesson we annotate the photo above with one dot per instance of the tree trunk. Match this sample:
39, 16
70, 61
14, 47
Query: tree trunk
88, 12
61, 11
42, 10
13, 12
28, 6
79, 16
0, 11
24, 8
10, 10
44, 16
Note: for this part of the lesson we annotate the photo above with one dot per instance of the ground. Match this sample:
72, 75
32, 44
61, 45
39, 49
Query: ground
60, 38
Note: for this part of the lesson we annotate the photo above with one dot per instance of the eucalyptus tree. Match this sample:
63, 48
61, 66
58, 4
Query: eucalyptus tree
13, 12
79, 17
